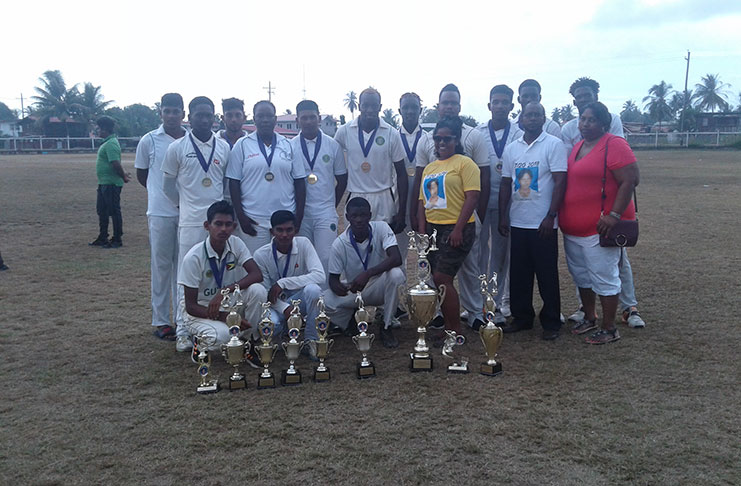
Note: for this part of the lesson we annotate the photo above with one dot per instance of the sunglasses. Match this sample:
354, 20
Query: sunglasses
440, 138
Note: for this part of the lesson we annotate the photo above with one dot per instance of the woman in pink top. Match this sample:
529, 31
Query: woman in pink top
594, 268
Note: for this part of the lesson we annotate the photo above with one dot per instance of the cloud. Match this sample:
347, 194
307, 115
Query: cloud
637, 13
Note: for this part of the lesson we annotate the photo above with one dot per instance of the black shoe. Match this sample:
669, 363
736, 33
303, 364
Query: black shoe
334, 330
437, 323
515, 327
114, 244
4, 267
550, 334
352, 327
98, 242
401, 313
388, 338
477, 323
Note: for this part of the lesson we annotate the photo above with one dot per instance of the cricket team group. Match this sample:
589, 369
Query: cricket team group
260, 211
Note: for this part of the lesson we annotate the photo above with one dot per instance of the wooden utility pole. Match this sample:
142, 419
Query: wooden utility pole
684, 101
270, 89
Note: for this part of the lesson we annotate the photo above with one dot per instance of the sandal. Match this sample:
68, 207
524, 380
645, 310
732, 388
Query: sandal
583, 326
603, 336
166, 333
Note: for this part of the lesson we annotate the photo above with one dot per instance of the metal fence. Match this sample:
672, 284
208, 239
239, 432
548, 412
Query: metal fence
683, 140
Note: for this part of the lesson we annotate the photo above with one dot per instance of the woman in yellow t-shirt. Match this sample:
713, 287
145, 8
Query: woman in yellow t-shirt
448, 196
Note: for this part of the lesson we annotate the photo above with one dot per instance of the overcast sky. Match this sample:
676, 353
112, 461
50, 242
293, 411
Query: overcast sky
137, 50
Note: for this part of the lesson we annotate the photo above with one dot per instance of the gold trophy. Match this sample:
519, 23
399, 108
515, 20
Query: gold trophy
292, 376
460, 364
422, 300
266, 350
235, 350
363, 341
491, 335
323, 345
207, 385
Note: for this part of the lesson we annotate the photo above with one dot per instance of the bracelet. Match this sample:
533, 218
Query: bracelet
615, 214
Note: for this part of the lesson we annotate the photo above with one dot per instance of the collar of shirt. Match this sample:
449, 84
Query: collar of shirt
211, 253
540, 138
294, 248
112, 135
403, 130
201, 142
382, 125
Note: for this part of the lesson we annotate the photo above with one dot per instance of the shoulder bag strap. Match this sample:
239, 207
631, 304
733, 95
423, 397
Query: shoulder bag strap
604, 181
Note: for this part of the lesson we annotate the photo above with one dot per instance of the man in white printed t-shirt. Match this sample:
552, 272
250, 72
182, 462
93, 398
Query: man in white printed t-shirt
324, 163
585, 91
374, 153
162, 214
529, 92
219, 262
291, 270
264, 176
233, 117
365, 258
498, 132
534, 182
193, 179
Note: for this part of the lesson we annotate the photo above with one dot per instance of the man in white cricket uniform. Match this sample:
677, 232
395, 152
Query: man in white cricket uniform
324, 164
162, 214
264, 176
193, 179
233, 117
529, 92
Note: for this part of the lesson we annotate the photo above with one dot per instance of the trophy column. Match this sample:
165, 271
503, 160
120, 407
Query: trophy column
323, 345
491, 335
363, 341
235, 350
207, 385
266, 349
292, 348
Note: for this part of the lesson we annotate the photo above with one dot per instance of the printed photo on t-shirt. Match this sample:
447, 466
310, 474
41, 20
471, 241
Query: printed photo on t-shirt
433, 188
526, 182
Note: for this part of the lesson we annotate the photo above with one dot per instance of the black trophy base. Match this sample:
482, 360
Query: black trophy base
366, 371
420, 364
321, 376
264, 382
290, 379
208, 388
491, 370
239, 384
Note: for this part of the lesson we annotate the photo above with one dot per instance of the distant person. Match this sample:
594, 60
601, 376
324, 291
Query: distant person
233, 117
162, 214
111, 178
529, 92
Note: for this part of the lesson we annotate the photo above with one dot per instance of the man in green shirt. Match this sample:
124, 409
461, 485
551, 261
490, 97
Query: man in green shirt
111, 178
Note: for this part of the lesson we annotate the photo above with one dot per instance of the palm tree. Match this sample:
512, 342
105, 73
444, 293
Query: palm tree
556, 115
566, 113
90, 103
710, 94
656, 102
351, 101
630, 112
390, 117
54, 99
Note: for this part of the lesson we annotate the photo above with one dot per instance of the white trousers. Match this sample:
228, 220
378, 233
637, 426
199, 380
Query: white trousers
382, 203
382, 290
254, 242
322, 232
309, 308
163, 244
188, 237
494, 254
469, 285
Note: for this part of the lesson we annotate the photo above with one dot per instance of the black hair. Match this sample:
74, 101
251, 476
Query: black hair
270, 103
200, 100
106, 123
219, 207
413, 95
282, 216
584, 82
429, 183
523, 172
528, 83
232, 104
173, 100
542, 108
449, 87
307, 105
601, 113
357, 202
455, 125
368, 90
502, 89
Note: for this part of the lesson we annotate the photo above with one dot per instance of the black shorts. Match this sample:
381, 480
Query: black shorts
446, 259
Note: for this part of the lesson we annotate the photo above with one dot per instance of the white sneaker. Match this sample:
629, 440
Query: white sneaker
578, 315
183, 343
505, 310
499, 318
464, 315
633, 318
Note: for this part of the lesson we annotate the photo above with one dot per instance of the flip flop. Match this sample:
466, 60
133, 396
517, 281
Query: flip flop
166, 333
603, 337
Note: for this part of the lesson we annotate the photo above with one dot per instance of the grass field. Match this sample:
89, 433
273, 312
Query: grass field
91, 397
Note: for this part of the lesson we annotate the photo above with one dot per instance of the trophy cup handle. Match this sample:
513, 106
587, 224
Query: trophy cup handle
284, 346
355, 340
329, 346
441, 289
370, 340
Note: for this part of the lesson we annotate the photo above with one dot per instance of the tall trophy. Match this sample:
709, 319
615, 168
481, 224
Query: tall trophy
363, 341
323, 345
235, 350
422, 300
207, 385
460, 363
491, 335
266, 349
292, 348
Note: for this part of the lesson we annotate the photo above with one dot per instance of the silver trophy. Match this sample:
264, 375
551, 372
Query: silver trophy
363, 341
323, 345
207, 384
460, 363
235, 351
292, 348
491, 335
266, 349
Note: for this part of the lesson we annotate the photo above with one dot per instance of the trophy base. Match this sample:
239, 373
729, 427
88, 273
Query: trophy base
289, 380
420, 364
239, 384
491, 370
321, 376
366, 371
264, 382
208, 388
458, 368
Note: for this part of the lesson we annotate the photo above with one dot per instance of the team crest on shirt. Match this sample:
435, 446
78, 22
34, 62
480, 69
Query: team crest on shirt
230, 265
333, 227
380, 140
209, 274
325, 158
191, 155
499, 166
216, 161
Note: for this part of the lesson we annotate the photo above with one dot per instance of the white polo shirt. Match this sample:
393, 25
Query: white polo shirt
150, 152
330, 161
182, 162
550, 127
345, 261
195, 270
474, 147
260, 197
385, 150
425, 148
571, 135
529, 205
495, 162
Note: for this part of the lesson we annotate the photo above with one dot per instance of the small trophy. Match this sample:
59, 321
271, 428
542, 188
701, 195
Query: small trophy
292, 376
207, 385
422, 300
363, 341
235, 350
460, 364
491, 335
266, 350
323, 345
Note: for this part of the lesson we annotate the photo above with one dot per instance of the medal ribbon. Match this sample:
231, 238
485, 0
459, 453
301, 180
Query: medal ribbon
411, 154
268, 159
499, 144
367, 251
217, 270
366, 148
201, 159
275, 258
305, 149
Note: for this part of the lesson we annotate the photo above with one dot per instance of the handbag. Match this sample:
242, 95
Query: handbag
625, 232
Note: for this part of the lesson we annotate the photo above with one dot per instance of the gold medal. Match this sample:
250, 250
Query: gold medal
312, 178
206, 182
269, 176
365, 167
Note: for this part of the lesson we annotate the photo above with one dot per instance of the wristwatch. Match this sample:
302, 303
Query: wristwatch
615, 214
